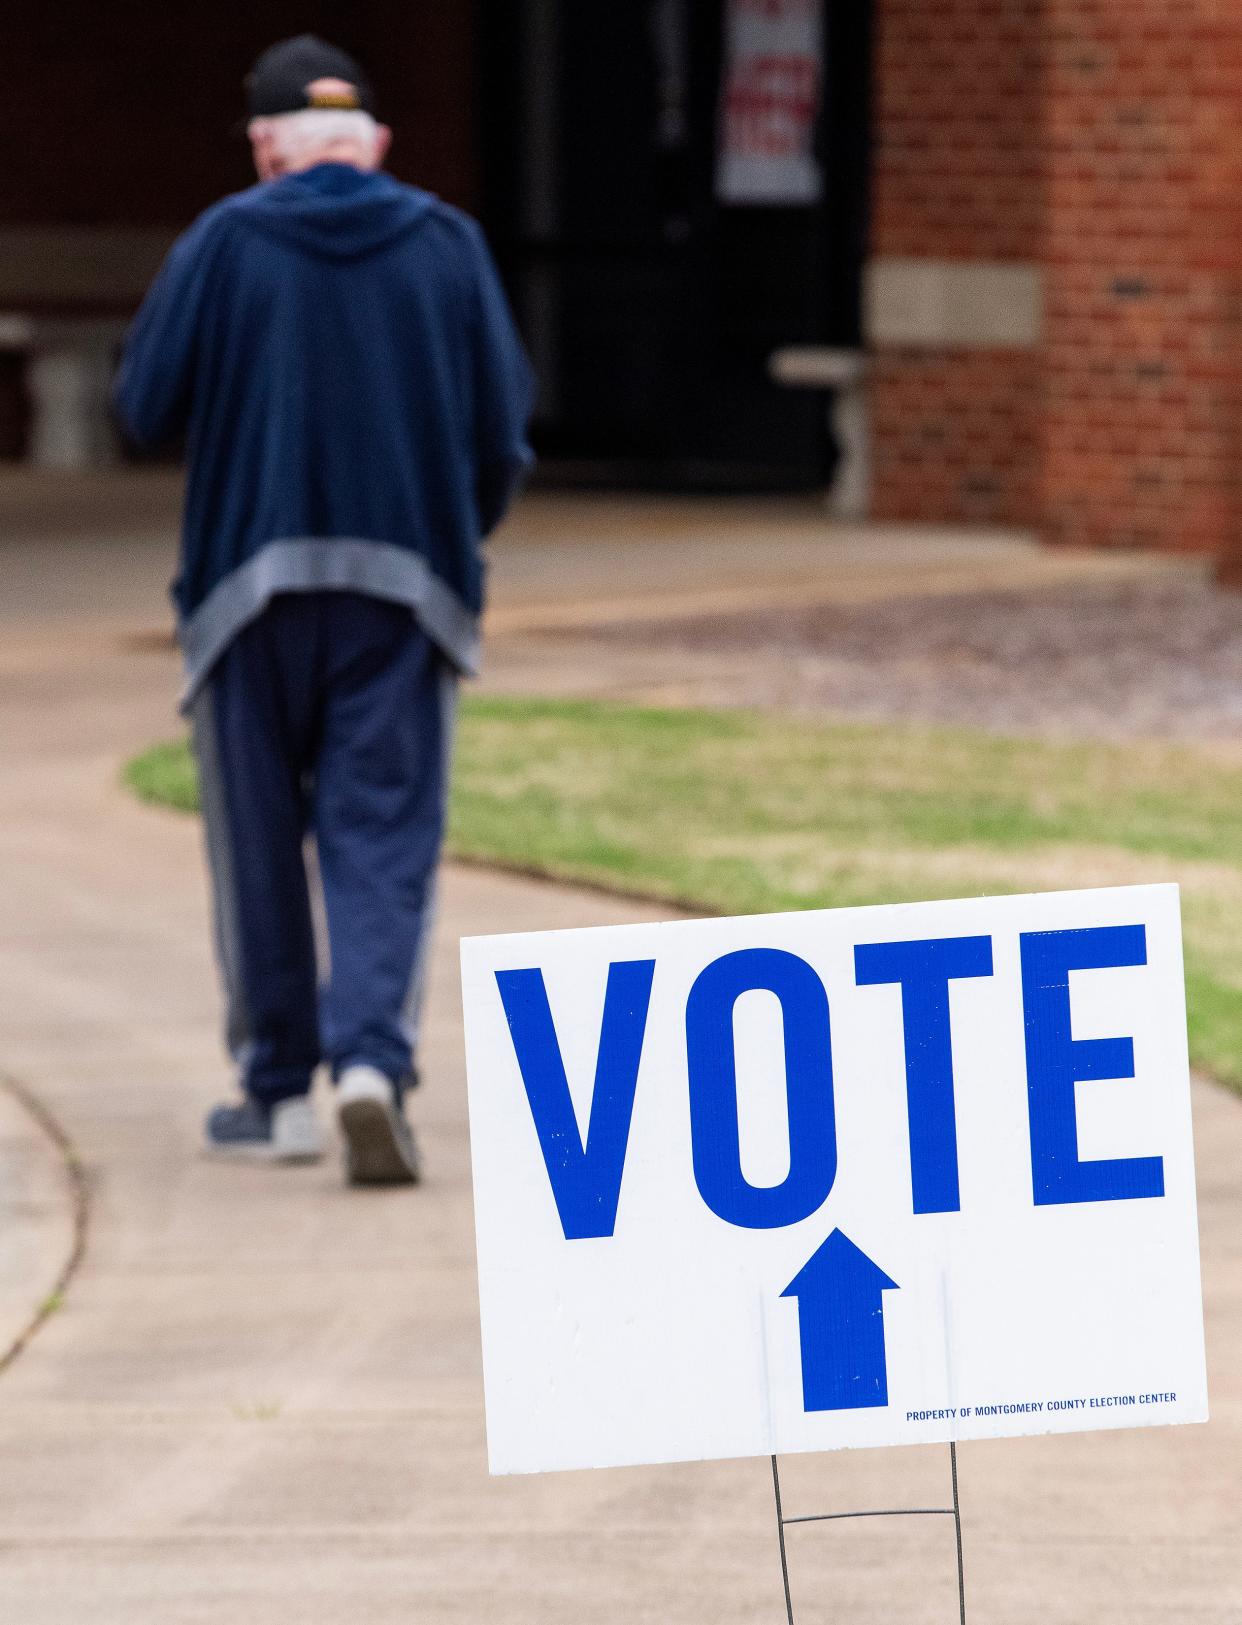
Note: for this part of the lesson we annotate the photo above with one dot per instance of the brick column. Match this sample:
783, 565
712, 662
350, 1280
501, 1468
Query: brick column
1143, 196
1093, 148
955, 240
1217, 249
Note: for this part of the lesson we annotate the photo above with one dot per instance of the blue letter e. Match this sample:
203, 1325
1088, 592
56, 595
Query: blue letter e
585, 1179
1055, 1062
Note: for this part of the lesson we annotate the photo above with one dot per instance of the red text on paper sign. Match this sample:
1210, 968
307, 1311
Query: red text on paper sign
771, 106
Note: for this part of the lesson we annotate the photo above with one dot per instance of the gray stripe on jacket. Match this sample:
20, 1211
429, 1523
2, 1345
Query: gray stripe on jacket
326, 564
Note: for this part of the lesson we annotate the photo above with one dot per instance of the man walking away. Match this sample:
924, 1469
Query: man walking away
337, 351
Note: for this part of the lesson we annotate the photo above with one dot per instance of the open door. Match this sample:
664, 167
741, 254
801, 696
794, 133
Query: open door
656, 223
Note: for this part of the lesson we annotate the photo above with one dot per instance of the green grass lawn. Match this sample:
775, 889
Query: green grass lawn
736, 813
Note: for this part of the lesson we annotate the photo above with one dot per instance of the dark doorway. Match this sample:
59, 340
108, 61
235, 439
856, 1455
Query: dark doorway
651, 307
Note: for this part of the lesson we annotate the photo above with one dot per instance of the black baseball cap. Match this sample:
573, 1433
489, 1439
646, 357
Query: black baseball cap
306, 72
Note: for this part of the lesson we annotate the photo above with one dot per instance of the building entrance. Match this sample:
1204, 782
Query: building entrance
676, 189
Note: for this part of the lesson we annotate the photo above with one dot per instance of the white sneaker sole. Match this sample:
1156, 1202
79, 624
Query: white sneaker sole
374, 1150
295, 1134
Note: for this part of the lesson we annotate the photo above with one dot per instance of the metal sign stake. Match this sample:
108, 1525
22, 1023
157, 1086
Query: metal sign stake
954, 1512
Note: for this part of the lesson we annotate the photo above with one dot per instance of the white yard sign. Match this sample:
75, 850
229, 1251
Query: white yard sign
862, 1177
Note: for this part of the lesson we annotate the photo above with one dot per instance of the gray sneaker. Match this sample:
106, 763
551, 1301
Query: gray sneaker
379, 1145
285, 1133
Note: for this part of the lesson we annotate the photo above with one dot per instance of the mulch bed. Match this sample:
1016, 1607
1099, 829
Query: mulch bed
1157, 657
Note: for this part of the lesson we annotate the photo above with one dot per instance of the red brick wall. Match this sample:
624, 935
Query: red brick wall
1143, 153
957, 177
955, 435
957, 112
1104, 141
127, 114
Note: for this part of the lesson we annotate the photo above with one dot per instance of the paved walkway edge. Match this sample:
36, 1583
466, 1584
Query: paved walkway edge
50, 1189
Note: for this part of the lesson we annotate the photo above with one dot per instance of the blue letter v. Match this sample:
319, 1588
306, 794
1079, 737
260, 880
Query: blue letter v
585, 1180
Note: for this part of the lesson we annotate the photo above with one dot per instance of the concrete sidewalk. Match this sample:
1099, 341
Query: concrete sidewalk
261, 1400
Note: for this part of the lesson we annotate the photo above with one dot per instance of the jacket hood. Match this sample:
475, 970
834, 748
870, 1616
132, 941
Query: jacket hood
334, 210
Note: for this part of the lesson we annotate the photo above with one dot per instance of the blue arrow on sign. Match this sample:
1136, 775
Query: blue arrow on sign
840, 1295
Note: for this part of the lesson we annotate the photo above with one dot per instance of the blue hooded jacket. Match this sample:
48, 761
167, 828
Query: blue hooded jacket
338, 352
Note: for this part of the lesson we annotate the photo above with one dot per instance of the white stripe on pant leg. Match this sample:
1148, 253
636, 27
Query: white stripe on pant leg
319, 913
218, 840
412, 1006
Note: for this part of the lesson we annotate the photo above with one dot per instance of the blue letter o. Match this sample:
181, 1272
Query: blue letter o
808, 1084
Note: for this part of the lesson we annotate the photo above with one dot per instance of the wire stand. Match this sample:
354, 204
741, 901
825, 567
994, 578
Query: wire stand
954, 1512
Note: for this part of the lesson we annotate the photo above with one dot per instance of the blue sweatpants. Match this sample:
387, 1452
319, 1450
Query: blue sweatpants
323, 734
